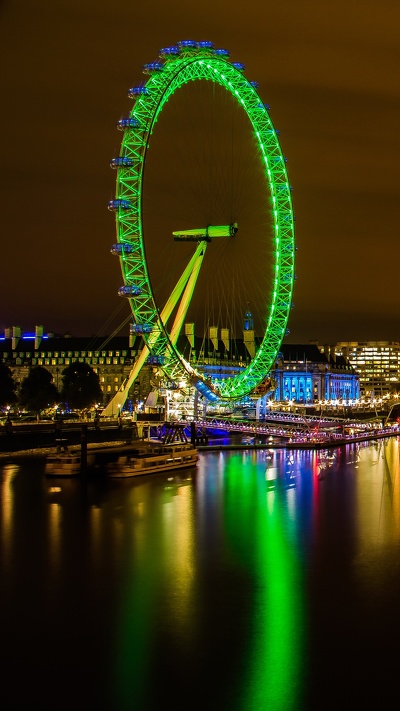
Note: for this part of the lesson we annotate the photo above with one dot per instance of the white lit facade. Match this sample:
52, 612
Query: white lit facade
377, 364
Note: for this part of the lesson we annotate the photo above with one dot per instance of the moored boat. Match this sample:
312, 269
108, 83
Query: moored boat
65, 464
247, 440
153, 459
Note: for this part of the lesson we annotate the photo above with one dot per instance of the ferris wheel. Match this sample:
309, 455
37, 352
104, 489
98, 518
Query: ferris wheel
160, 322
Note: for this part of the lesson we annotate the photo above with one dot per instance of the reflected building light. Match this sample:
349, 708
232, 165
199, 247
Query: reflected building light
291, 503
178, 537
95, 529
7, 508
55, 513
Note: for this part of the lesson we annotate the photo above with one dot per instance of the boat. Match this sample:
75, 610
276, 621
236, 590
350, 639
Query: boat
65, 464
123, 460
154, 458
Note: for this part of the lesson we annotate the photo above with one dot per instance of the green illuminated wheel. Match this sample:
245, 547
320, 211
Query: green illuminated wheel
180, 67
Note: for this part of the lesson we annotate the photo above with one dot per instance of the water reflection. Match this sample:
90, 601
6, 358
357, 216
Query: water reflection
239, 585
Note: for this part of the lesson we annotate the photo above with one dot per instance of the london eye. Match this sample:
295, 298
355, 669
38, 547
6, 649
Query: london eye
190, 221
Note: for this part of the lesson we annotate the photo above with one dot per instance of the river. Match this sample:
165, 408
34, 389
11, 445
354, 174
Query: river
261, 580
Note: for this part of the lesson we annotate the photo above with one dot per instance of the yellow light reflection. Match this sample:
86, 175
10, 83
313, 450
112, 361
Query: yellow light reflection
7, 508
55, 514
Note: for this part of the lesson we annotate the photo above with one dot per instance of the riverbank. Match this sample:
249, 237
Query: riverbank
26, 455
328, 442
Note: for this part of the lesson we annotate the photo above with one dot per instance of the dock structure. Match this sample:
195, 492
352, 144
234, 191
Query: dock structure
135, 441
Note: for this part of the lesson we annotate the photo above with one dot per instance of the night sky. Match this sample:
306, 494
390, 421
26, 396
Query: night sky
329, 71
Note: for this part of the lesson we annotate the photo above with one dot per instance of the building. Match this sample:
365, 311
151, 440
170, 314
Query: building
377, 364
303, 373
111, 358
306, 375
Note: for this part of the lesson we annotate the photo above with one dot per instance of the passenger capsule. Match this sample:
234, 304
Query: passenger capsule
264, 106
156, 360
139, 328
239, 65
254, 84
187, 44
129, 290
122, 248
138, 91
173, 51
119, 205
205, 44
121, 162
153, 67
125, 123
222, 52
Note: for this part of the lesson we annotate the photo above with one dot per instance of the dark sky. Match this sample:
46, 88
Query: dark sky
329, 71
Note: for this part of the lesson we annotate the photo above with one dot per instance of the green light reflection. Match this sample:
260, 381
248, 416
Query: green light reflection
274, 660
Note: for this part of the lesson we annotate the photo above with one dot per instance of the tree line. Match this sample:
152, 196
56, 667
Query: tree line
80, 388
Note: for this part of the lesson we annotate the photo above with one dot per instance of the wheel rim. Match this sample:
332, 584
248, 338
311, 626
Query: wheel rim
180, 66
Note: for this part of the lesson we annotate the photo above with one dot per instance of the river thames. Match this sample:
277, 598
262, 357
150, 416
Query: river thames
260, 580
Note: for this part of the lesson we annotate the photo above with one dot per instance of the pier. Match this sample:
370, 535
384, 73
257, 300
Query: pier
282, 432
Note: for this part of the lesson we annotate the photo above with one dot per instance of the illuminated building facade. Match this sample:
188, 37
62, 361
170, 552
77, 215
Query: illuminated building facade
303, 373
111, 358
377, 364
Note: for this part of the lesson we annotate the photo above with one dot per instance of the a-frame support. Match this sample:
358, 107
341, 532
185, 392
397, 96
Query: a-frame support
184, 291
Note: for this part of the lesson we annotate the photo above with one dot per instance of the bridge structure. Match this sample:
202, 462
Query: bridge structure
278, 427
279, 424
288, 425
282, 430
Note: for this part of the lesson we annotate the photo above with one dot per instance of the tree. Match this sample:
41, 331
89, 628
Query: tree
38, 390
80, 386
8, 386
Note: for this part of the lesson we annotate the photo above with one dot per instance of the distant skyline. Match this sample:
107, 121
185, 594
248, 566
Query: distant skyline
329, 73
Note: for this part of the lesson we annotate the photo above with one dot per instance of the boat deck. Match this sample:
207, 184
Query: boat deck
138, 457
